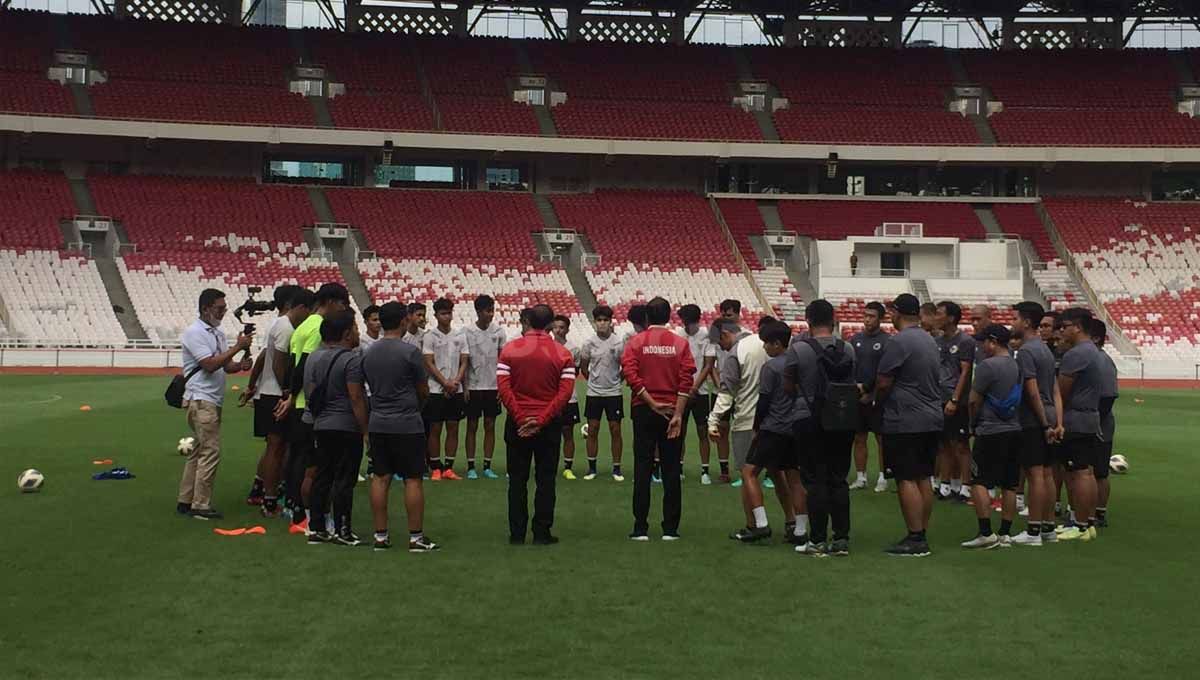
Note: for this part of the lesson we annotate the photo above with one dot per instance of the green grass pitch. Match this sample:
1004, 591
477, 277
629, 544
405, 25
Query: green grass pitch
102, 580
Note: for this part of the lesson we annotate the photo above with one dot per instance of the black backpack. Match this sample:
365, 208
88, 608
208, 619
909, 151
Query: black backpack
839, 405
316, 400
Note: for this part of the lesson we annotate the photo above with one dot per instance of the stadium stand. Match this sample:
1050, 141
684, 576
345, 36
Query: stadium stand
838, 219
1052, 277
383, 87
457, 244
25, 54
1143, 261
657, 243
34, 202
196, 233
49, 296
840, 95
744, 220
469, 79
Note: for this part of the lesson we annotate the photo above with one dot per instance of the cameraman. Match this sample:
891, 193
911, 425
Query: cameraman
204, 346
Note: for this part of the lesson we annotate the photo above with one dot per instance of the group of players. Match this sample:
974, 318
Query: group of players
1037, 399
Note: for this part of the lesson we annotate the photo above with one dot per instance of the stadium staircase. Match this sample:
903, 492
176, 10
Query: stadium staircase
81, 99
572, 263
796, 263
920, 289
542, 111
764, 119
988, 219
1084, 291
737, 255
103, 247
344, 252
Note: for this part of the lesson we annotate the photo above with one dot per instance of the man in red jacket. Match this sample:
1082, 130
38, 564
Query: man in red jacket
535, 377
659, 368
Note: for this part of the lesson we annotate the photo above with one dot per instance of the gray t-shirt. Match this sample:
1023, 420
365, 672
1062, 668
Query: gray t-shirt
1081, 406
785, 408
484, 346
393, 369
337, 414
996, 377
867, 350
1108, 394
914, 404
602, 358
803, 368
1037, 361
952, 352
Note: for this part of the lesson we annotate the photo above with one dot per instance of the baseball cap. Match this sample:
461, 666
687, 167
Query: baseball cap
907, 304
995, 332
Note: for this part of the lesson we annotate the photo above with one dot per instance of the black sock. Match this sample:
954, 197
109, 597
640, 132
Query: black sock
568, 463
1091, 521
724, 467
1101, 513
916, 535
470, 465
487, 463
270, 503
435, 465
704, 468
1034, 529
657, 470
591, 466
985, 527
1047, 527
616, 468
257, 489
789, 528
1005, 526
448, 465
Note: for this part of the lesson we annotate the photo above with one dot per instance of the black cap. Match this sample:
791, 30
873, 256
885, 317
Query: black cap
995, 332
907, 304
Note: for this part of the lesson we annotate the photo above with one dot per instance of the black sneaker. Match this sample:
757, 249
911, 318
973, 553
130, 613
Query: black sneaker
347, 538
422, 544
319, 538
516, 540
207, 513
838, 548
909, 548
381, 546
793, 539
183, 509
751, 534
545, 540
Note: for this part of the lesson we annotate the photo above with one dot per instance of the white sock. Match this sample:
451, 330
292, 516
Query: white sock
862, 476
945, 489
1072, 517
955, 485
801, 525
760, 517
883, 479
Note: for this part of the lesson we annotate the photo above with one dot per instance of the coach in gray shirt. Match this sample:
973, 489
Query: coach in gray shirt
334, 395
907, 389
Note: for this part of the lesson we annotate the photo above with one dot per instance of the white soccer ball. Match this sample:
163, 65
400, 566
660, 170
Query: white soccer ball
584, 429
30, 481
186, 445
1118, 464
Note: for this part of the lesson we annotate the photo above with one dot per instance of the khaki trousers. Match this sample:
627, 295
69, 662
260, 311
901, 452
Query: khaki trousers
200, 471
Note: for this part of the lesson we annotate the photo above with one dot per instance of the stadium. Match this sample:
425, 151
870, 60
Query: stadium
580, 154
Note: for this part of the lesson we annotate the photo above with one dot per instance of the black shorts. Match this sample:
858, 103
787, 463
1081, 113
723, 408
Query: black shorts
910, 455
441, 408
773, 452
331, 445
1079, 451
957, 427
1100, 466
398, 454
264, 417
698, 410
868, 418
995, 462
300, 438
483, 404
570, 414
1034, 449
612, 408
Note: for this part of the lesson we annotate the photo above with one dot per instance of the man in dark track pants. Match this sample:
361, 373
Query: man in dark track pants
333, 388
535, 377
659, 368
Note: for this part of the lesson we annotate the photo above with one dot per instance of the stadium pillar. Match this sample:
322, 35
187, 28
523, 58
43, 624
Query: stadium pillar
678, 34
574, 16
233, 11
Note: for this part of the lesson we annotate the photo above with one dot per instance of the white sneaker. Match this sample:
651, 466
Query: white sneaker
859, 483
982, 542
881, 485
1051, 537
589, 476
1006, 542
1024, 538
670, 537
618, 478
705, 479
1023, 512
965, 493
810, 549
361, 479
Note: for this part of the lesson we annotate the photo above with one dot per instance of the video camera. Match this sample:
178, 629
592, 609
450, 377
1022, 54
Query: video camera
252, 307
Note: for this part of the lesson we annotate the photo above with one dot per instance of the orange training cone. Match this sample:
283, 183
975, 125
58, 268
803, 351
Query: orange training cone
85, 407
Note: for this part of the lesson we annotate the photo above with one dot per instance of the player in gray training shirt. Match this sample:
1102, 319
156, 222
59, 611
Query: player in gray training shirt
600, 366
995, 417
339, 420
1080, 380
907, 389
1108, 421
1041, 409
868, 347
395, 372
957, 354
484, 342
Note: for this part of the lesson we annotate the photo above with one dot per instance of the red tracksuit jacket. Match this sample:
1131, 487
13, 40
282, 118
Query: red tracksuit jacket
660, 363
535, 377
